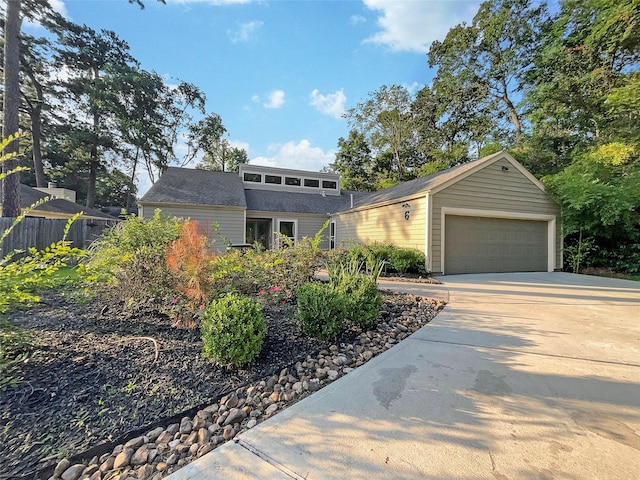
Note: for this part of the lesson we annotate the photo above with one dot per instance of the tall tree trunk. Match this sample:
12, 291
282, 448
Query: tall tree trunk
93, 177
35, 114
11, 184
132, 179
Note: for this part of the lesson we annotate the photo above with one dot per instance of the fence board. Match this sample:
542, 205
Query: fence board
41, 232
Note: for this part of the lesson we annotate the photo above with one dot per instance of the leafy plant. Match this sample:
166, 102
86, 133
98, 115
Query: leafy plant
407, 259
232, 330
361, 300
320, 312
357, 287
128, 262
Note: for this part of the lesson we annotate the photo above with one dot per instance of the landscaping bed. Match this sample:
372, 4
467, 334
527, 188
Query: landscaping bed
96, 374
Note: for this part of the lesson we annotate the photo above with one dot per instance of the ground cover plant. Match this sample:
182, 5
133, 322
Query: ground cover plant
155, 324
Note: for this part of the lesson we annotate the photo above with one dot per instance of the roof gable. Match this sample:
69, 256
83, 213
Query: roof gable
440, 180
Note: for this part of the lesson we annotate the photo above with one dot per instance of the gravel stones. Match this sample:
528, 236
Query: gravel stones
163, 450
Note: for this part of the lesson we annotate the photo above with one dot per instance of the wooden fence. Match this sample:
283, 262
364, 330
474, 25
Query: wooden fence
41, 232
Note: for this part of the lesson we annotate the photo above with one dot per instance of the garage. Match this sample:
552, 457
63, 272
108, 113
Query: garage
483, 245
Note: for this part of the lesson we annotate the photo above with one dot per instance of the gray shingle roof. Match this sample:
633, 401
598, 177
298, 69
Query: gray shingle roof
280, 201
197, 187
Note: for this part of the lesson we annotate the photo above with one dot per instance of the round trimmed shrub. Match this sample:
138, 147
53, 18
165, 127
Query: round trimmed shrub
232, 330
320, 311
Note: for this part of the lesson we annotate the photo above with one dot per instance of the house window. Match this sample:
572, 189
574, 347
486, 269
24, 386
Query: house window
252, 177
310, 182
329, 184
274, 179
258, 231
332, 235
288, 229
295, 181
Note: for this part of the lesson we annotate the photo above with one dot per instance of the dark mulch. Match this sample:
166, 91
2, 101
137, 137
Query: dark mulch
93, 376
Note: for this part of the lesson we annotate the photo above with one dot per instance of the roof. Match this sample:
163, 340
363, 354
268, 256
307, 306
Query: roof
57, 206
197, 187
423, 184
285, 201
205, 187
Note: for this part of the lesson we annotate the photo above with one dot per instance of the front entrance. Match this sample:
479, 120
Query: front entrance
258, 231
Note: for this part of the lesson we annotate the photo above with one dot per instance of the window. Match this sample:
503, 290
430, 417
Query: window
310, 182
275, 179
329, 184
332, 235
292, 181
252, 177
287, 228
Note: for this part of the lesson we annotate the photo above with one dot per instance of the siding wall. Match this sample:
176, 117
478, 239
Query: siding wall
491, 188
231, 221
385, 224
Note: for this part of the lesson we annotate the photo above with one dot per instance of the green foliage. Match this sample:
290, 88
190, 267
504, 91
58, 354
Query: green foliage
360, 297
128, 262
21, 279
368, 256
321, 310
232, 329
270, 276
407, 259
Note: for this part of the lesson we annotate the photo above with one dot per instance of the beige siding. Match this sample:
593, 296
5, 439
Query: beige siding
385, 224
231, 221
492, 189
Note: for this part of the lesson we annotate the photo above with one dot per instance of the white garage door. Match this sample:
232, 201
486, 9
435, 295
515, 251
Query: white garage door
494, 245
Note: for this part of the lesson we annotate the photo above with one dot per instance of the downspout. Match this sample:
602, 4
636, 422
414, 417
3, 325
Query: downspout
351, 196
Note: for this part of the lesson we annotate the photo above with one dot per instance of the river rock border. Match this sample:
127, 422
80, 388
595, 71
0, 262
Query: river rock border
164, 450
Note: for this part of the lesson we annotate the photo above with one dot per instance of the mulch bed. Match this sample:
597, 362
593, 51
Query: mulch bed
96, 374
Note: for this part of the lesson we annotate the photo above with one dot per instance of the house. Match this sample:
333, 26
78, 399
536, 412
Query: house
55, 207
488, 215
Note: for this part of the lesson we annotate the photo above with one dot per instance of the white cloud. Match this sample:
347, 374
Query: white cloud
412, 26
331, 104
301, 156
245, 31
357, 19
276, 99
57, 6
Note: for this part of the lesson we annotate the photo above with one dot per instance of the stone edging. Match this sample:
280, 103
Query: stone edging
164, 450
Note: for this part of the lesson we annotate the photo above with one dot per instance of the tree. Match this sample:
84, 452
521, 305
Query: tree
385, 119
584, 109
88, 54
11, 105
354, 163
496, 51
222, 157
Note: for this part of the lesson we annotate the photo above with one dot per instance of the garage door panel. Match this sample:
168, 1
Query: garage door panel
487, 245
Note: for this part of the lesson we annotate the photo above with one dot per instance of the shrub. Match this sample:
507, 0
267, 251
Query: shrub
189, 260
232, 330
128, 262
407, 260
320, 311
361, 300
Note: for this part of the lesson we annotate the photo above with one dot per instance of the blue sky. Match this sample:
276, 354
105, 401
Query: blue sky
280, 73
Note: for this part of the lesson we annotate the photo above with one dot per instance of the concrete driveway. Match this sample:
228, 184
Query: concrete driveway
521, 376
